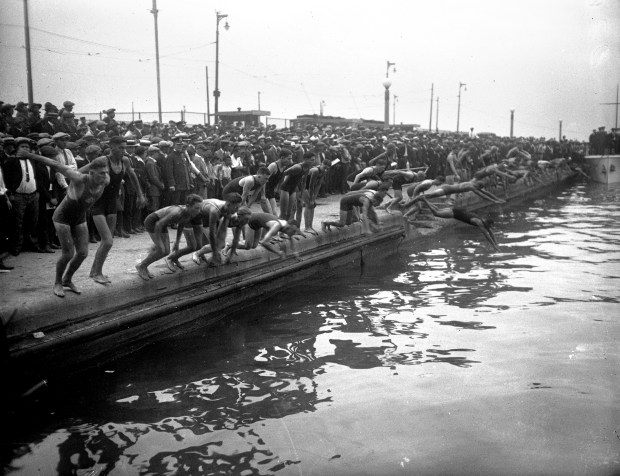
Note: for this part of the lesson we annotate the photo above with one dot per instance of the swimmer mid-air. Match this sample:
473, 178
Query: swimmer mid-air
460, 214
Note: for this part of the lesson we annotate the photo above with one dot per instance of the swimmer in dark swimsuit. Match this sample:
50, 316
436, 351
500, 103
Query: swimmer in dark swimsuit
104, 211
157, 225
262, 227
367, 200
400, 178
213, 219
314, 180
462, 187
70, 216
460, 214
276, 169
293, 185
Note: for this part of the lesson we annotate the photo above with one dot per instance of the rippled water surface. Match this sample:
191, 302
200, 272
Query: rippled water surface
446, 358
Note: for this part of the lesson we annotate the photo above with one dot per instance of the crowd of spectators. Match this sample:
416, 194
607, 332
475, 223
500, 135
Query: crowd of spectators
175, 159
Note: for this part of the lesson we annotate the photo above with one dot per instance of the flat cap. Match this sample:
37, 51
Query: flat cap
60, 136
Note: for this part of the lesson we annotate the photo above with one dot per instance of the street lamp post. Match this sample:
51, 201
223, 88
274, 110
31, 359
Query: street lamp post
216, 93
394, 109
560, 137
458, 113
512, 122
386, 84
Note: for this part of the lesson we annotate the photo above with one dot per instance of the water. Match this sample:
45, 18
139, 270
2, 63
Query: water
444, 359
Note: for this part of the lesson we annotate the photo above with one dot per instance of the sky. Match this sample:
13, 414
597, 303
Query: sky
549, 60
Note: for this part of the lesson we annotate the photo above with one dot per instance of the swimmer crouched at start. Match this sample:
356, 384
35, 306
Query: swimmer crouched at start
157, 226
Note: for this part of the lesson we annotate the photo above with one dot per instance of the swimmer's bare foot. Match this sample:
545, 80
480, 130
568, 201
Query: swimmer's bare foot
325, 226
312, 231
101, 279
72, 287
178, 264
142, 272
170, 265
58, 291
196, 259
151, 275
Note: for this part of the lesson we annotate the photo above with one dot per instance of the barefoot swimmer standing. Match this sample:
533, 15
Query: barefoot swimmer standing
70, 216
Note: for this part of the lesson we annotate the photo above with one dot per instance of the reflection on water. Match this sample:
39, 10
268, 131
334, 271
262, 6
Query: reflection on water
199, 404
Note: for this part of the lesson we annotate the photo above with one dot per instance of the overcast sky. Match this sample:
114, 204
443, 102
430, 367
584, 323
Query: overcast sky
547, 59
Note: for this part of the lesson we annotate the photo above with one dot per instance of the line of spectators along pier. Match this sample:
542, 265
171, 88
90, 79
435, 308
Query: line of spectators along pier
168, 162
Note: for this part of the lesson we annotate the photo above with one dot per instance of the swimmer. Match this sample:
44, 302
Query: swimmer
104, 211
157, 226
412, 209
460, 214
262, 227
400, 178
293, 185
210, 217
70, 216
367, 200
250, 187
314, 180
471, 186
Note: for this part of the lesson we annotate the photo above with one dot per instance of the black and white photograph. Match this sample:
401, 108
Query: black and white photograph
327, 238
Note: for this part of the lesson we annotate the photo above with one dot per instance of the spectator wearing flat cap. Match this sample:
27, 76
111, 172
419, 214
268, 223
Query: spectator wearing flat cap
22, 124
176, 173
111, 126
50, 123
48, 200
22, 177
7, 121
34, 117
155, 185
65, 157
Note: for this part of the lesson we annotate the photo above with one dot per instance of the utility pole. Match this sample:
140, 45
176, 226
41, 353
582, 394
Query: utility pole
208, 99
154, 12
28, 61
458, 113
430, 120
614, 103
259, 100
437, 116
560, 138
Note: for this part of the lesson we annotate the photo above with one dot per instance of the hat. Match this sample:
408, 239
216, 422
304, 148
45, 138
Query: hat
23, 140
6, 107
109, 111
68, 104
8, 140
118, 140
48, 151
20, 104
163, 143
131, 142
153, 148
61, 136
93, 149
145, 142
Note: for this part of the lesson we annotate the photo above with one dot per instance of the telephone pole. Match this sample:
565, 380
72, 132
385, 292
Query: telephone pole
28, 61
430, 121
154, 12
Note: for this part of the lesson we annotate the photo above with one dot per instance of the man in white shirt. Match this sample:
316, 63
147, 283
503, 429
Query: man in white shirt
65, 157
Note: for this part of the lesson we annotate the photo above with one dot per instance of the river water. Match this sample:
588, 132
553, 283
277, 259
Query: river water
446, 358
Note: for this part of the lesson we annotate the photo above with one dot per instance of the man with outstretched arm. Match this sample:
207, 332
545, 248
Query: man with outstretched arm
70, 216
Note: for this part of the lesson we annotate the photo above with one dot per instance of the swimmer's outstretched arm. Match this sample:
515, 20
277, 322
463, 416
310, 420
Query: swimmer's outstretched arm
441, 213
